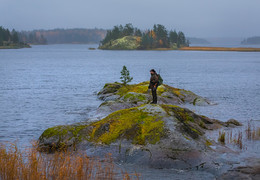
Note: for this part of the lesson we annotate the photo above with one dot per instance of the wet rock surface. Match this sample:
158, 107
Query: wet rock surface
163, 136
242, 173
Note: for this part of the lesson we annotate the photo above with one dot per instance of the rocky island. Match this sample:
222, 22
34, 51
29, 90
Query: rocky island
130, 38
133, 131
158, 38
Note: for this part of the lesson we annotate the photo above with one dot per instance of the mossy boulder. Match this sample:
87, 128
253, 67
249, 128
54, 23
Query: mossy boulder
118, 96
125, 43
147, 133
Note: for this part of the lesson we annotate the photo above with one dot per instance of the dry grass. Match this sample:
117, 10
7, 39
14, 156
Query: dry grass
251, 133
33, 165
219, 49
222, 137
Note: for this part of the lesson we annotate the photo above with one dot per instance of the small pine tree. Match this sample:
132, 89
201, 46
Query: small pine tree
125, 76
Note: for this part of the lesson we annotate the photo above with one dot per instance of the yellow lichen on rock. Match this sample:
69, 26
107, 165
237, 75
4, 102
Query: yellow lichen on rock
132, 124
124, 43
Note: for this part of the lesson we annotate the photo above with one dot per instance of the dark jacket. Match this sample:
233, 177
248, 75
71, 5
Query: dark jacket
154, 81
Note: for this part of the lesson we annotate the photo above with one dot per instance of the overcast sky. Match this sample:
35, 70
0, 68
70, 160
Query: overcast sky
196, 18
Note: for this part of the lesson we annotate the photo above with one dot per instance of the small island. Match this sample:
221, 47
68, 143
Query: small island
129, 38
10, 40
158, 38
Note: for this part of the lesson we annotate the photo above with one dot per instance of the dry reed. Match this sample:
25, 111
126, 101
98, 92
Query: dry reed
30, 164
251, 133
222, 137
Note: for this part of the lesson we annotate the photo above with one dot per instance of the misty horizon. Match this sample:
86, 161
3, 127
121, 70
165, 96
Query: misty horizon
206, 37
203, 19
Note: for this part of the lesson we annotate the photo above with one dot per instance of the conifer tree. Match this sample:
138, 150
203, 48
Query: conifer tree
125, 76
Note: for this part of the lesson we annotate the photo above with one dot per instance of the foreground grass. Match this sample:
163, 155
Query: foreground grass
31, 164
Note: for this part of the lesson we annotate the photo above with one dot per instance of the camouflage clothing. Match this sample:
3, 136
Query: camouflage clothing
154, 81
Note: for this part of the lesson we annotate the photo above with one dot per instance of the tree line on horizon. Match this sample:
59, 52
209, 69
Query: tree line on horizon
251, 40
32, 37
158, 37
8, 37
55, 36
63, 36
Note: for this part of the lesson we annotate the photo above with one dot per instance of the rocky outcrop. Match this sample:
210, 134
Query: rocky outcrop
133, 131
158, 135
125, 43
118, 96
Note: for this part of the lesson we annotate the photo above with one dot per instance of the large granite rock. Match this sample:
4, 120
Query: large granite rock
157, 135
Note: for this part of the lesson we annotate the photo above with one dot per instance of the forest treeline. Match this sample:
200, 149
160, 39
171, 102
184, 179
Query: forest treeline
55, 36
67, 36
8, 37
158, 37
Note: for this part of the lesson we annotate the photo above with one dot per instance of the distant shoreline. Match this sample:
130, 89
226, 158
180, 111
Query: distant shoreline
201, 48
15, 46
240, 49
195, 48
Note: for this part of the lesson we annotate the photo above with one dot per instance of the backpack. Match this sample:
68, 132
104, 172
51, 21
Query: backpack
160, 80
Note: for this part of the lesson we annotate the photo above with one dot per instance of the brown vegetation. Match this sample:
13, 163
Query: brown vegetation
251, 133
31, 164
222, 137
220, 49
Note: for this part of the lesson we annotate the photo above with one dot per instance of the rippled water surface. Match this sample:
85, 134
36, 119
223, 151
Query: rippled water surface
51, 85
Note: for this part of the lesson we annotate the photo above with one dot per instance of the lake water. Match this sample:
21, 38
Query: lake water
53, 85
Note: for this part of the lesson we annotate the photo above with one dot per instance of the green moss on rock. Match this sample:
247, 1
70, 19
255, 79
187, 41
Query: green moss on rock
135, 97
141, 125
132, 124
56, 131
166, 94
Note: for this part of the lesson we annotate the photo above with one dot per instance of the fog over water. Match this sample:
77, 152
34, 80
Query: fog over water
200, 18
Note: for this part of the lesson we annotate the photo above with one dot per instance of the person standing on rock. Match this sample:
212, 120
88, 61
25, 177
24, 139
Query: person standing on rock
154, 82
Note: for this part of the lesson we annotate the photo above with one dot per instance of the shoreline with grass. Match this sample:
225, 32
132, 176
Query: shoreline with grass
134, 43
16, 46
201, 48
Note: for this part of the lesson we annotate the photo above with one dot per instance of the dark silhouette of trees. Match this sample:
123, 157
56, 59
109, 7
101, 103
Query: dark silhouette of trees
120, 31
137, 32
173, 37
160, 38
14, 36
7, 37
